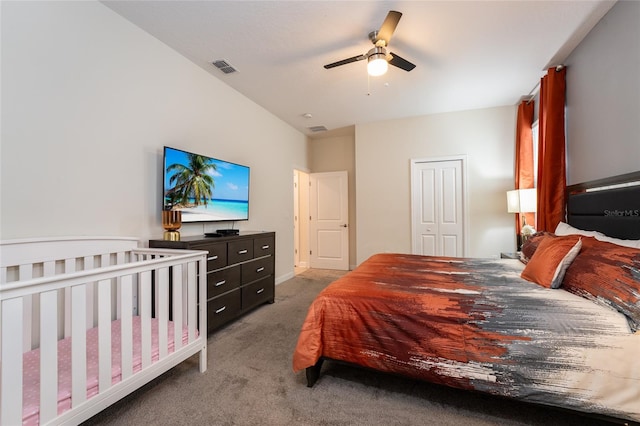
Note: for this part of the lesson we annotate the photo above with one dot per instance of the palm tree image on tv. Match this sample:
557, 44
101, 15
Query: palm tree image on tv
204, 188
192, 184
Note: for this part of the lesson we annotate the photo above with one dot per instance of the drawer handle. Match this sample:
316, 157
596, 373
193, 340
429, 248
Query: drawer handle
213, 258
260, 269
220, 309
242, 251
219, 283
265, 247
260, 291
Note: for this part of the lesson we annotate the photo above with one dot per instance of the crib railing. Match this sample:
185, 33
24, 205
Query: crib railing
47, 298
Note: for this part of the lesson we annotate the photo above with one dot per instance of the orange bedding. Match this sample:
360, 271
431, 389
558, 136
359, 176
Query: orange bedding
475, 324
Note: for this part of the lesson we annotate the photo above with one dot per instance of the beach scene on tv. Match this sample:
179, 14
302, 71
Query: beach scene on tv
204, 188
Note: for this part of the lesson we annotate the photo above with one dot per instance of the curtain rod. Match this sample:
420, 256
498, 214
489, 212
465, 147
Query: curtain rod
536, 88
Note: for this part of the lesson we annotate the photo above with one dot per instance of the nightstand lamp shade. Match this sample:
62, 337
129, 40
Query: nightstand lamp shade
521, 201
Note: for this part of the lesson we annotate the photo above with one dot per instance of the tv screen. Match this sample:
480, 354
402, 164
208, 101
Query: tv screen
205, 189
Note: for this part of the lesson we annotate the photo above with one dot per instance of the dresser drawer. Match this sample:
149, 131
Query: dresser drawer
257, 293
223, 280
217, 257
257, 269
263, 246
240, 251
222, 309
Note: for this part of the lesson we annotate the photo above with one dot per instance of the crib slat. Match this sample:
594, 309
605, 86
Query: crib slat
49, 269
119, 261
26, 273
104, 335
163, 310
48, 355
185, 294
90, 316
69, 267
202, 312
11, 366
145, 317
192, 292
78, 345
126, 322
177, 306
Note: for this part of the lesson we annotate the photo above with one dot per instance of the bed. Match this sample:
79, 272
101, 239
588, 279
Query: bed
86, 321
558, 328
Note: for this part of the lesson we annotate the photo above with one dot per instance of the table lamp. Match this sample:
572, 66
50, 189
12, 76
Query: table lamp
523, 201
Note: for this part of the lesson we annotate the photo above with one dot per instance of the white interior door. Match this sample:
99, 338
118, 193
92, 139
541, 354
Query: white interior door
328, 221
437, 205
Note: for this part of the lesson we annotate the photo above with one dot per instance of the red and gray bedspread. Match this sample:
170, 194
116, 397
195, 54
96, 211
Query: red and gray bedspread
475, 324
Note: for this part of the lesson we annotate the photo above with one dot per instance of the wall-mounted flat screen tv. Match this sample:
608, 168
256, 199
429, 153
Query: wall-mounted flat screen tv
205, 189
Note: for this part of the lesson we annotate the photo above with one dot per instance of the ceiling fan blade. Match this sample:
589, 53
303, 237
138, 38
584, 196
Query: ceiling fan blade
346, 61
389, 26
402, 63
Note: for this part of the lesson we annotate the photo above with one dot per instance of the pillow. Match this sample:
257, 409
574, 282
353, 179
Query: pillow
551, 260
566, 229
531, 244
608, 274
619, 242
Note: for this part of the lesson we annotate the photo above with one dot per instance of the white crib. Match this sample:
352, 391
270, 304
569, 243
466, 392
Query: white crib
86, 321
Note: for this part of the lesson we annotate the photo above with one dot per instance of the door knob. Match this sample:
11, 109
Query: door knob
344, 225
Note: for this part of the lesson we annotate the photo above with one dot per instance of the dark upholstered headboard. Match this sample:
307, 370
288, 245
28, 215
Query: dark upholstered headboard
614, 210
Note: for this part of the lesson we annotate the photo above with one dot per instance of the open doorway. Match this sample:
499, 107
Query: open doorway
300, 221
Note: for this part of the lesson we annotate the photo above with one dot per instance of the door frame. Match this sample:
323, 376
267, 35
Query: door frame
465, 196
301, 225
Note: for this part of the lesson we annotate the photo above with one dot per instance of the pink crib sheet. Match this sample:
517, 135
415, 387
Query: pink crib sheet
31, 366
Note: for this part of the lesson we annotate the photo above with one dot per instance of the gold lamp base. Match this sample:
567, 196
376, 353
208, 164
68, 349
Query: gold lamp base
171, 235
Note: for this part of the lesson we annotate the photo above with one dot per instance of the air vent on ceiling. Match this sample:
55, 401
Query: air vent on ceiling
317, 129
224, 66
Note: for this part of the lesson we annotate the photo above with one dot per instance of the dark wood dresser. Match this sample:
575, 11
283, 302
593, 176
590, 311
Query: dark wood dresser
240, 272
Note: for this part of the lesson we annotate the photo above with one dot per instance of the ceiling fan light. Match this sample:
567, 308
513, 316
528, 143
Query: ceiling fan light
377, 65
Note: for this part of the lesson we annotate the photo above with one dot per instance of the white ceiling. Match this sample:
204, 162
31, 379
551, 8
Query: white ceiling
469, 54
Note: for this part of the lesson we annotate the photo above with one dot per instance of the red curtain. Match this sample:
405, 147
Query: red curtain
524, 156
551, 150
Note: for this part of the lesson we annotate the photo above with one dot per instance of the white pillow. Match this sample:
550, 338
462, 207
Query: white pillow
618, 241
566, 229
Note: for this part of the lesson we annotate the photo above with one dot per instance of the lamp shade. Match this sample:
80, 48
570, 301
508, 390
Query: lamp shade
521, 201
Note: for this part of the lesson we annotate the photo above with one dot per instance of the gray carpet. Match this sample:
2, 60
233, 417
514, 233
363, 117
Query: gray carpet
250, 381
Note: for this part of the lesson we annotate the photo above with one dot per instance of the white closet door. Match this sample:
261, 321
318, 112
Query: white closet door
437, 204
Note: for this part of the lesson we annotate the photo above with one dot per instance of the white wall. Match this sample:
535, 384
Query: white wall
88, 102
383, 154
603, 98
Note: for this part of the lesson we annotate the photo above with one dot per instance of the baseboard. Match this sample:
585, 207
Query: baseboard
285, 277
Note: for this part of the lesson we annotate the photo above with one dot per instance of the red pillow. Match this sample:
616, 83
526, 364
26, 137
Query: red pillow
531, 244
551, 260
608, 274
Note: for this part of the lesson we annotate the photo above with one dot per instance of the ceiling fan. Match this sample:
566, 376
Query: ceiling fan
378, 58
